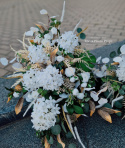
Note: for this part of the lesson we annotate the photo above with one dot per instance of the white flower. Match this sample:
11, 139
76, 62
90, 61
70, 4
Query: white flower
70, 71
94, 95
59, 58
120, 72
75, 92
63, 95
32, 96
100, 73
29, 33
4, 61
37, 55
98, 60
68, 41
117, 59
102, 101
48, 36
44, 114
72, 79
54, 30
80, 96
46, 42
17, 66
64, 108
51, 79
83, 84
43, 11
37, 39
105, 60
34, 29
32, 79
85, 76
122, 49
16, 95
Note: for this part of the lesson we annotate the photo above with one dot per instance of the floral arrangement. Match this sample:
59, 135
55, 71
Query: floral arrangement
61, 81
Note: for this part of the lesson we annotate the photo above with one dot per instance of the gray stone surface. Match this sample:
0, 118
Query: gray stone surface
7, 113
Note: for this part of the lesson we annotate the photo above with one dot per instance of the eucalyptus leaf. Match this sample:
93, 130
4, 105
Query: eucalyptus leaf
50, 141
79, 30
82, 36
72, 145
55, 130
112, 54
69, 135
59, 145
78, 109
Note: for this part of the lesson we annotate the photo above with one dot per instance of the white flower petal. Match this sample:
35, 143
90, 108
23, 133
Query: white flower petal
17, 66
105, 60
98, 59
122, 49
63, 95
102, 101
29, 33
4, 61
117, 59
43, 11
94, 95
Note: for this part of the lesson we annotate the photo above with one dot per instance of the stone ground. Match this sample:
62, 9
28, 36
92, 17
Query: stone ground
104, 18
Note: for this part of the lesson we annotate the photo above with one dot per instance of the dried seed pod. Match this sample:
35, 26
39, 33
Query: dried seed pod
105, 115
18, 87
8, 99
19, 105
92, 107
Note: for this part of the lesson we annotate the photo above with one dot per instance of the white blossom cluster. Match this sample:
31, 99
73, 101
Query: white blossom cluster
37, 55
68, 41
51, 79
120, 72
32, 79
44, 114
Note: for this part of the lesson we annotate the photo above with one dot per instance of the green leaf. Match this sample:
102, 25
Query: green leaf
86, 108
53, 19
107, 105
57, 119
79, 30
63, 127
55, 130
118, 104
82, 36
78, 109
123, 87
24, 91
112, 54
70, 109
121, 92
69, 135
28, 67
59, 145
70, 54
50, 141
72, 145
40, 90
118, 51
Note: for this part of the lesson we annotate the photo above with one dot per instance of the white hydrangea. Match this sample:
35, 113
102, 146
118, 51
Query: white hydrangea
37, 55
68, 41
44, 114
32, 79
51, 79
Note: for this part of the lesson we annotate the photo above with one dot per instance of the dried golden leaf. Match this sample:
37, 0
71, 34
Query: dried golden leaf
115, 63
110, 111
82, 88
18, 87
77, 115
66, 120
8, 99
105, 115
40, 27
19, 105
47, 145
62, 71
92, 107
60, 141
74, 117
53, 54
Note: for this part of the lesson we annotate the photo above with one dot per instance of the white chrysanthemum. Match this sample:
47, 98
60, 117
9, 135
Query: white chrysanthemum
32, 79
68, 41
37, 55
70, 71
44, 114
51, 79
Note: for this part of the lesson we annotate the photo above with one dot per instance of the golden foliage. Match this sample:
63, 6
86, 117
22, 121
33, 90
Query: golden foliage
92, 107
105, 115
19, 105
